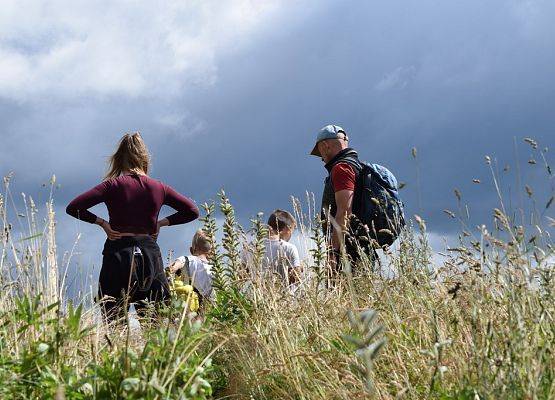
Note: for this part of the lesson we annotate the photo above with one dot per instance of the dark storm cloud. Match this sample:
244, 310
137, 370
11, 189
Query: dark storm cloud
458, 81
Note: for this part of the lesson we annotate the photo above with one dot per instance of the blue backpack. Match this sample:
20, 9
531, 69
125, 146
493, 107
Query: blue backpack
377, 203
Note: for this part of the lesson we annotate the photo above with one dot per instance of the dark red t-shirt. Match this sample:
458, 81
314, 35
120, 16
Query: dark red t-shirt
343, 177
133, 203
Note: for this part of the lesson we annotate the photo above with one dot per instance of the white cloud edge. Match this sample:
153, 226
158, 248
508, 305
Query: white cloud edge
68, 49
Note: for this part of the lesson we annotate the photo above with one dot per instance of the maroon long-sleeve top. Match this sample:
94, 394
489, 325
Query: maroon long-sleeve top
133, 203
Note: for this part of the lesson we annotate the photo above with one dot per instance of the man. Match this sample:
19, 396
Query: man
343, 166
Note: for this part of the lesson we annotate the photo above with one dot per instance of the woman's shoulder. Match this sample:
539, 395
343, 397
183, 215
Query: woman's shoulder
129, 178
112, 183
154, 181
106, 183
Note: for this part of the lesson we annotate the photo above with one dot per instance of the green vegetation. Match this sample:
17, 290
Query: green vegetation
479, 324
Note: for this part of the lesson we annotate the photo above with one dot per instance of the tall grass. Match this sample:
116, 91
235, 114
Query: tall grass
52, 348
477, 325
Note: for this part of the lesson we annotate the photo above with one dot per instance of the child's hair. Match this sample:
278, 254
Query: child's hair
280, 219
201, 243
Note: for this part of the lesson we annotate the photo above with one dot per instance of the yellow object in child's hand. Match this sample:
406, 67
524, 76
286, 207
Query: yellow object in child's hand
184, 289
188, 293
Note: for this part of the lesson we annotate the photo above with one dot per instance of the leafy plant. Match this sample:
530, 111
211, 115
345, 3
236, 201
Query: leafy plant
367, 340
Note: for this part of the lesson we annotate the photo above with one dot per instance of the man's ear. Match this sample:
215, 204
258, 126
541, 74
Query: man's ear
321, 146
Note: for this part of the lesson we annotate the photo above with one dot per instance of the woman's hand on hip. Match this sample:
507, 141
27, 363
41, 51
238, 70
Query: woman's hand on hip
160, 224
112, 234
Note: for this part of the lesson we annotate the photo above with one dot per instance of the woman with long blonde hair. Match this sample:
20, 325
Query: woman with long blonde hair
132, 267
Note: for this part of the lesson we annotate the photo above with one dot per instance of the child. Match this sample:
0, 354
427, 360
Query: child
281, 256
195, 268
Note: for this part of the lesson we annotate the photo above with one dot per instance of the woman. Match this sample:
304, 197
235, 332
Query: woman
132, 268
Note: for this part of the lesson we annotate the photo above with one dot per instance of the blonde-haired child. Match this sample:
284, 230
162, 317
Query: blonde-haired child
195, 269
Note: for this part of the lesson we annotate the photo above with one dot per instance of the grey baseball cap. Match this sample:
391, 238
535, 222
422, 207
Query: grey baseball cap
328, 132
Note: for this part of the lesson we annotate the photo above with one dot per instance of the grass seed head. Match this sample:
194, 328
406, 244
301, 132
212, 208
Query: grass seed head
531, 142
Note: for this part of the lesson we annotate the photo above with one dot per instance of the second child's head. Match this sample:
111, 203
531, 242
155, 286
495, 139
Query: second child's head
200, 245
282, 223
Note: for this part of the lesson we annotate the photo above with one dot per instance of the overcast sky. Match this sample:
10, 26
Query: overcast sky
230, 94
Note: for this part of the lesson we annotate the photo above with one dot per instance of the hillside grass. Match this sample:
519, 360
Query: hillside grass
479, 325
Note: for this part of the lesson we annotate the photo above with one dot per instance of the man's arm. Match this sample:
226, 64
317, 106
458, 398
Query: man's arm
344, 202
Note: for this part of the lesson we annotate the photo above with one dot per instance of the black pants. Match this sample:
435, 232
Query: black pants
132, 272
358, 248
